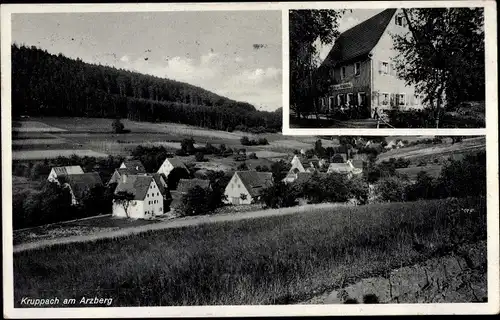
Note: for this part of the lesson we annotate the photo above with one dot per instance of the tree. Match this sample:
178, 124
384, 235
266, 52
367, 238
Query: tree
242, 167
391, 189
117, 126
306, 27
252, 155
279, 170
200, 157
280, 195
318, 148
175, 175
443, 55
187, 145
123, 198
195, 202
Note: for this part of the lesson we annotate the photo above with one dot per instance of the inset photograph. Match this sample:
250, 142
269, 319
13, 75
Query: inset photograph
392, 68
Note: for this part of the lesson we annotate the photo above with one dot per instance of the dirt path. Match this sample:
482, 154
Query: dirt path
174, 223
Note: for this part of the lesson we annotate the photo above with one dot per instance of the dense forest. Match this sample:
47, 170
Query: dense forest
44, 84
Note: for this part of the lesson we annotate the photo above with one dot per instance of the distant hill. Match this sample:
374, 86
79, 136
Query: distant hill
44, 84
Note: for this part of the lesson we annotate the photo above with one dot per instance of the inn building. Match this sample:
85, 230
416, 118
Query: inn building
360, 70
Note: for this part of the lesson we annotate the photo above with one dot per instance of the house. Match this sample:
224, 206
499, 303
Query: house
360, 70
135, 165
246, 186
115, 178
79, 184
183, 187
344, 168
138, 197
57, 172
169, 164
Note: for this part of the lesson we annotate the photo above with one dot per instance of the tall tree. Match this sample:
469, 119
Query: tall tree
443, 55
306, 27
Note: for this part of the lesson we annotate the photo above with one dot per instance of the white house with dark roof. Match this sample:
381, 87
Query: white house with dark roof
57, 172
138, 197
79, 184
344, 168
361, 70
133, 165
169, 164
246, 186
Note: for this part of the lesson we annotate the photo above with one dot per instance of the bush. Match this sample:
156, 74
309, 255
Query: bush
465, 178
195, 202
425, 187
262, 168
391, 189
117, 126
243, 167
187, 145
200, 157
280, 195
263, 141
240, 157
252, 156
245, 141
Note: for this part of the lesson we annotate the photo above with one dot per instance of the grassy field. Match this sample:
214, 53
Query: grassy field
32, 139
412, 172
431, 151
272, 260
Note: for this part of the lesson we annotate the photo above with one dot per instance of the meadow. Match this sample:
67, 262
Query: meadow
47, 137
270, 260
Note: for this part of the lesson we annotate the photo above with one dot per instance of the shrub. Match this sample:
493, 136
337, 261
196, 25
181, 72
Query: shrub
252, 156
391, 189
180, 153
262, 168
187, 145
245, 141
466, 177
263, 141
425, 187
195, 202
242, 167
200, 157
117, 126
280, 195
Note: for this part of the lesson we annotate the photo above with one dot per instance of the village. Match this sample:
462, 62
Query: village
138, 194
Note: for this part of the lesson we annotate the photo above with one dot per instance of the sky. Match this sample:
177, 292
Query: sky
234, 54
348, 20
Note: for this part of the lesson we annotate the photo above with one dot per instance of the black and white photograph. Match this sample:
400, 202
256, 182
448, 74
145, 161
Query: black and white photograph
387, 68
145, 164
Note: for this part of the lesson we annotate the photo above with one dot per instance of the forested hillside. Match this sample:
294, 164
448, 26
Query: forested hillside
44, 84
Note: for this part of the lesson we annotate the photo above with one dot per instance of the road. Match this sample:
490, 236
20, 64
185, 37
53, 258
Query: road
174, 223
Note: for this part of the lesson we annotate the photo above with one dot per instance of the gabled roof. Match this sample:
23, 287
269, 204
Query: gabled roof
176, 163
137, 185
68, 170
360, 40
158, 179
129, 171
135, 165
187, 184
357, 163
80, 183
255, 181
340, 167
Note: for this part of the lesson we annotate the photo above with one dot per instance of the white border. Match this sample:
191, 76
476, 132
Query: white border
490, 67
289, 310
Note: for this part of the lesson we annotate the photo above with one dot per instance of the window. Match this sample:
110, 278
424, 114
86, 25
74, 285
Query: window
385, 99
342, 72
400, 20
361, 98
357, 68
341, 99
350, 99
384, 67
401, 99
161, 208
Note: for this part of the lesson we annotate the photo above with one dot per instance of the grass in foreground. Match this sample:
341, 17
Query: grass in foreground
262, 261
